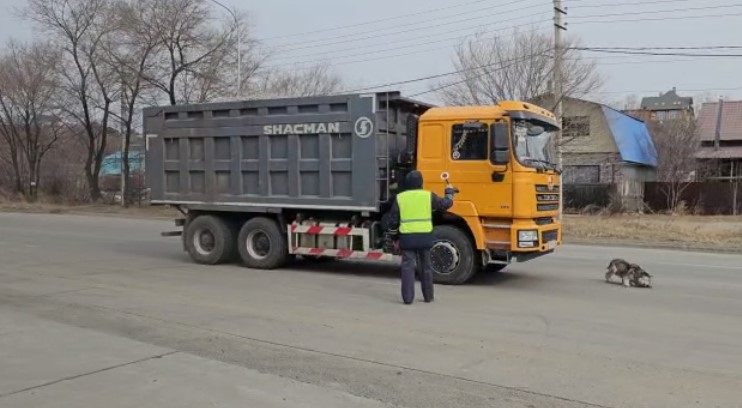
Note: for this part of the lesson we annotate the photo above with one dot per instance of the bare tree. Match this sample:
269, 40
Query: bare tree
676, 143
131, 58
515, 67
195, 51
29, 118
82, 30
312, 81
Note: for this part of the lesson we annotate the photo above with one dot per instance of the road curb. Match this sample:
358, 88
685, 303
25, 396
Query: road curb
654, 245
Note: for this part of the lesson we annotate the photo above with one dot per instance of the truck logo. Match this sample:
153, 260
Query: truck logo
302, 129
551, 183
363, 127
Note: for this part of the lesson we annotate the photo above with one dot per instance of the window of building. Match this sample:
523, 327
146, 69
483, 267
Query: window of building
469, 143
674, 115
576, 126
661, 115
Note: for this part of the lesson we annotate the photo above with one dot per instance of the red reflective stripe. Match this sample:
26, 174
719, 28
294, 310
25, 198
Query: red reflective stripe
317, 251
314, 230
343, 231
374, 255
293, 227
345, 253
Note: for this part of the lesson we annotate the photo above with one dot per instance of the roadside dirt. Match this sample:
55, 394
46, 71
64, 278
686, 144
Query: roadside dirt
718, 233
713, 233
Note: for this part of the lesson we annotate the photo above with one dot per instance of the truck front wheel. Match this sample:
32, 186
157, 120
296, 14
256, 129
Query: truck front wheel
209, 240
262, 245
452, 256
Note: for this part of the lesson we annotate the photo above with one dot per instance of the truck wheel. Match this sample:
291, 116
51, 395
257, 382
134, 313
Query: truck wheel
452, 256
209, 240
262, 244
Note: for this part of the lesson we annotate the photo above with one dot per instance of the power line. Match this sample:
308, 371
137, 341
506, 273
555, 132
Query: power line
303, 46
445, 74
678, 88
400, 48
636, 20
355, 48
461, 37
660, 11
636, 3
707, 47
670, 54
381, 20
428, 24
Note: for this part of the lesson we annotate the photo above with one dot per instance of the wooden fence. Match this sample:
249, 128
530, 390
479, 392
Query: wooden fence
702, 198
707, 198
579, 196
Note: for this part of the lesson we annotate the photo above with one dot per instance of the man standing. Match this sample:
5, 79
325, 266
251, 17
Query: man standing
412, 216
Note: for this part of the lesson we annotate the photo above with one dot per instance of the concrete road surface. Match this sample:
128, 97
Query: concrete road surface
104, 312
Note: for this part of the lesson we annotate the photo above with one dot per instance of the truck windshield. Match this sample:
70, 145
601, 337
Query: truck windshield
534, 144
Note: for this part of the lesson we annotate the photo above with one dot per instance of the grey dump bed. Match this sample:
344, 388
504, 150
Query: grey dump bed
332, 152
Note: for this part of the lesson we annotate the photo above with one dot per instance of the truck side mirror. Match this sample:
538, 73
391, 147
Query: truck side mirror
500, 142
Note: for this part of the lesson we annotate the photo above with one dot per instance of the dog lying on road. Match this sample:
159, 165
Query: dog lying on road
630, 274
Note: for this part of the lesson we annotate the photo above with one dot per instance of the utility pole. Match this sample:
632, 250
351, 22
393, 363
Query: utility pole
122, 134
559, 27
238, 27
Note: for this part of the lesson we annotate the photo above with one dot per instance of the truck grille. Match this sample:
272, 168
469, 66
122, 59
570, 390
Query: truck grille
551, 235
543, 188
547, 207
547, 199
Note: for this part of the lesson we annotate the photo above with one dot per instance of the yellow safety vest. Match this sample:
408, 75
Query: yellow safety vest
415, 212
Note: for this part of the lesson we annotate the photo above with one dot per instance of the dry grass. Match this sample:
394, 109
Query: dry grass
707, 232
145, 211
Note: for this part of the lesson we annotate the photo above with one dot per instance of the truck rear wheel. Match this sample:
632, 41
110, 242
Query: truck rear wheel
262, 245
452, 256
209, 240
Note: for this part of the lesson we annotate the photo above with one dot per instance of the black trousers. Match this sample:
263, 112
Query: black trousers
412, 262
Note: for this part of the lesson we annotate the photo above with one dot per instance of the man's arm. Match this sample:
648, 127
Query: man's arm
441, 204
392, 217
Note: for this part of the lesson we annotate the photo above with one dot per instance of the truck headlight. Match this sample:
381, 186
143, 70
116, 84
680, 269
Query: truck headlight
530, 235
527, 239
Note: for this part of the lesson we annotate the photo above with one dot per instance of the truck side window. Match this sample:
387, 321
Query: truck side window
469, 143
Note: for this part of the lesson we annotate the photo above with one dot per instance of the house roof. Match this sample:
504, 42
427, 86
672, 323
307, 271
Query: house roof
730, 121
667, 101
632, 137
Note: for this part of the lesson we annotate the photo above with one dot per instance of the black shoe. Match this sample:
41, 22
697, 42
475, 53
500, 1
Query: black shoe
429, 300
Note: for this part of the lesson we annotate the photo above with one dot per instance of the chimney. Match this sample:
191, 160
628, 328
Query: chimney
717, 132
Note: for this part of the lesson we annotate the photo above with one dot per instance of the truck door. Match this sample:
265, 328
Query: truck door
461, 149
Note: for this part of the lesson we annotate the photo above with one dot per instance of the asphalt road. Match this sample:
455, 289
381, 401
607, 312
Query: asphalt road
103, 311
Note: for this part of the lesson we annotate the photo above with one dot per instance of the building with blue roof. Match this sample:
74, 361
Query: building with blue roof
606, 146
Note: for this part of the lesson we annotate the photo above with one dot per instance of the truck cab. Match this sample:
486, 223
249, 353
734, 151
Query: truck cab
501, 158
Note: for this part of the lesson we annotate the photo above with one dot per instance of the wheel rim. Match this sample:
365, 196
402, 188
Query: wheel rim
204, 242
444, 257
258, 244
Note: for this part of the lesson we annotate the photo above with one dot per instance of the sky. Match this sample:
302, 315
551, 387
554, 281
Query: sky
385, 41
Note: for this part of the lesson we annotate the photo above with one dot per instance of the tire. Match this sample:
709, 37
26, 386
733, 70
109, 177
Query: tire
209, 240
262, 245
453, 256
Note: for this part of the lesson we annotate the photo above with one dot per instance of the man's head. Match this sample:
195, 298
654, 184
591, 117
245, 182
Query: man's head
414, 180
